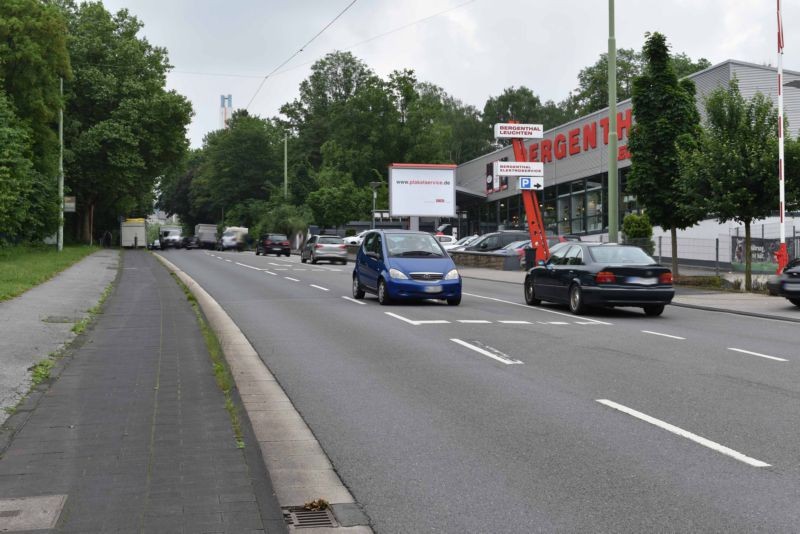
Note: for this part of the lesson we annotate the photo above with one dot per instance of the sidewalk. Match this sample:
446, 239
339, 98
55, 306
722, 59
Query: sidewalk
752, 304
133, 435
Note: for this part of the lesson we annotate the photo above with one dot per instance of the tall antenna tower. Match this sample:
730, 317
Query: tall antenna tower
225, 110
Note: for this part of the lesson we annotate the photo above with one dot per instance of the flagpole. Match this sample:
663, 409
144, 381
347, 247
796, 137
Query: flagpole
782, 256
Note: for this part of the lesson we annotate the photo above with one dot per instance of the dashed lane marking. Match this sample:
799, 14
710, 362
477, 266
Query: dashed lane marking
488, 351
532, 308
249, 266
270, 272
514, 322
320, 287
474, 321
416, 323
662, 335
351, 299
289, 278
684, 433
758, 354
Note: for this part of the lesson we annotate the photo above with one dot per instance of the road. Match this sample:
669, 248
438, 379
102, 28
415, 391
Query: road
494, 416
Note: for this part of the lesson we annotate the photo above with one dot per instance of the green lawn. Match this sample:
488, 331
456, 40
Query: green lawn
24, 267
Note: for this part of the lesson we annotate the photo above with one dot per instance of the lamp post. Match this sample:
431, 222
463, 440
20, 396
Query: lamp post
286, 165
613, 178
374, 186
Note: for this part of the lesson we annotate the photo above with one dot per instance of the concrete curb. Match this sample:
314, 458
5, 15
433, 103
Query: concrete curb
299, 468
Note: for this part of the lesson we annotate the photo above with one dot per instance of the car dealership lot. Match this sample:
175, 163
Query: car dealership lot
488, 416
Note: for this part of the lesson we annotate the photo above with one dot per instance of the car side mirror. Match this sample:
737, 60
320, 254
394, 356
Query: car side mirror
540, 262
484, 245
374, 255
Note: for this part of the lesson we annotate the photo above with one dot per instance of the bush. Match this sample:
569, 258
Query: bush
639, 232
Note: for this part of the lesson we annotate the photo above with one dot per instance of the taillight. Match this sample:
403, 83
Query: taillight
605, 277
342, 246
665, 278
317, 246
268, 242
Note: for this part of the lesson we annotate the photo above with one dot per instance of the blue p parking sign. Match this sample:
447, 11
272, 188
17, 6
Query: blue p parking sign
528, 182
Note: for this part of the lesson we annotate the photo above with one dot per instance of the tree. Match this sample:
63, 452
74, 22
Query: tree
33, 55
334, 205
638, 231
734, 164
123, 129
592, 92
665, 114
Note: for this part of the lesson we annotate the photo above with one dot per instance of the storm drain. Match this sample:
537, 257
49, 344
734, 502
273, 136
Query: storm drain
299, 517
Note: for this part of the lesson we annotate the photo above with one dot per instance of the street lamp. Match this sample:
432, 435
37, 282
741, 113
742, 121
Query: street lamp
374, 186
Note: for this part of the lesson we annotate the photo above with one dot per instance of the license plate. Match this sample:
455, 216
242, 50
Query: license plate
791, 287
433, 289
642, 281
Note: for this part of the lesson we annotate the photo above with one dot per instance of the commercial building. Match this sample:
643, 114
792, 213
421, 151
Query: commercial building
575, 157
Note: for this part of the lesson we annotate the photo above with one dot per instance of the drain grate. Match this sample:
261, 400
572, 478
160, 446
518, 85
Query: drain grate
299, 517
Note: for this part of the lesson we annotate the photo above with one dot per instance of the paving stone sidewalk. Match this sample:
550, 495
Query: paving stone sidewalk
133, 436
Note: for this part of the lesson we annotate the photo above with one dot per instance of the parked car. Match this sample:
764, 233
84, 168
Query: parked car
324, 247
404, 264
583, 274
170, 238
190, 242
496, 240
461, 243
155, 245
234, 237
273, 244
356, 239
445, 240
516, 248
789, 282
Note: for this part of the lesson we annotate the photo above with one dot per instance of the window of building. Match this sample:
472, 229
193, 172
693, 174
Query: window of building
578, 206
594, 204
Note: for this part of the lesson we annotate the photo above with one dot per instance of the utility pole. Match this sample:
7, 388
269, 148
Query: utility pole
613, 179
61, 169
782, 256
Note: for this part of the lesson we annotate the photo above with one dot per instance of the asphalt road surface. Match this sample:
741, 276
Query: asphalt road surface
495, 416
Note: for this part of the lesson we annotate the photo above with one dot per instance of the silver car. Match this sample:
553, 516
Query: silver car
324, 247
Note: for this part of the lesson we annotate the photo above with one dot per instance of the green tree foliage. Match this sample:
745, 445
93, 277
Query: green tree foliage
334, 205
284, 217
28, 207
33, 55
592, 91
734, 165
638, 231
665, 114
122, 127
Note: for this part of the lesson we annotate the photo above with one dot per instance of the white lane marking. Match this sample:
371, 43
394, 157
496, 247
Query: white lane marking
320, 287
475, 321
280, 269
507, 360
409, 321
685, 433
556, 322
351, 299
219, 258
416, 323
270, 272
584, 322
514, 322
289, 278
533, 308
297, 270
249, 266
275, 264
660, 334
758, 354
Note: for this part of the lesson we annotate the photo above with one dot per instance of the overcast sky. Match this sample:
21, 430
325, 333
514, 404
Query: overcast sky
474, 49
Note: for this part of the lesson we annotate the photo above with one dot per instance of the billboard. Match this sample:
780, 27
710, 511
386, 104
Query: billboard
418, 190
523, 131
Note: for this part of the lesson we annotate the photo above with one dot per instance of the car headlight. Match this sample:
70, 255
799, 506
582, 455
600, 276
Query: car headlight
397, 275
452, 275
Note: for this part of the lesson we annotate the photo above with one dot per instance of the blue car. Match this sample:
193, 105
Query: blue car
403, 264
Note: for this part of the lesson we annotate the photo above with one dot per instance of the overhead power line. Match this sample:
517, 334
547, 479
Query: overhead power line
328, 25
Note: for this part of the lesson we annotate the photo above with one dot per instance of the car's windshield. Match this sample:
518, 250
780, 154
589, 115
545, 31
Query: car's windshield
413, 245
277, 237
330, 240
604, 254
228, 234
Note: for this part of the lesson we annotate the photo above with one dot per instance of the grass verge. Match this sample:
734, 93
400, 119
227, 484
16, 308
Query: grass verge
221, 372
81, 325
25, 266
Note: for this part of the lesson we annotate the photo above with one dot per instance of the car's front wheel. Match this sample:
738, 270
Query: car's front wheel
576, 304
530, 293
454, 301
302, 258
654, 310
358, 293
383, 293
796, 302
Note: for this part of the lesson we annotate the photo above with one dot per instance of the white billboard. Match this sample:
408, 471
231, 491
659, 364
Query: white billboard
422, 190
505, 130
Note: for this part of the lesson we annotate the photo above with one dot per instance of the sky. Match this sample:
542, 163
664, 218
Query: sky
473, 49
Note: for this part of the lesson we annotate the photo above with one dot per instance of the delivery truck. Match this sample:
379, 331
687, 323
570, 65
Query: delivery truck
206, 234
133, 233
